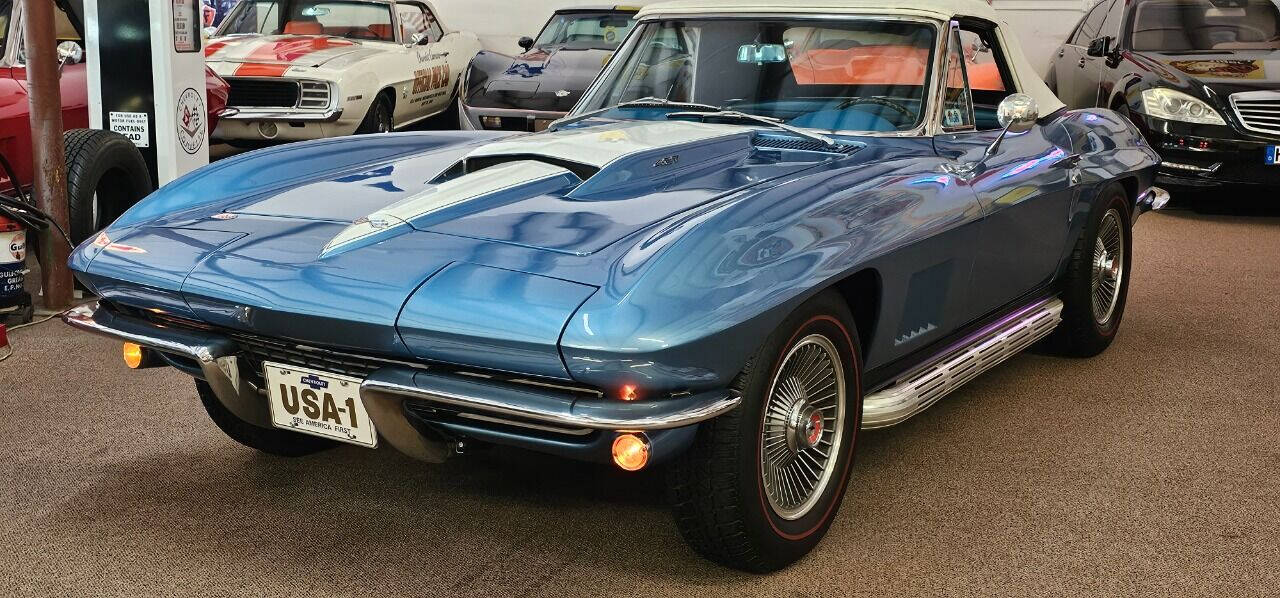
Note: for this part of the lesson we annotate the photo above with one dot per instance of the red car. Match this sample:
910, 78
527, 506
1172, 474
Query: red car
15, 122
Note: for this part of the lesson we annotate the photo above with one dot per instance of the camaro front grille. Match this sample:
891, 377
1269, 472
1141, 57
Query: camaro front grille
1258, 111
265, 93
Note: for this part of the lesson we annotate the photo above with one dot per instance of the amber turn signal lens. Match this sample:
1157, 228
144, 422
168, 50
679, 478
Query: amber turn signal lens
631, 451
628, 393
133, 355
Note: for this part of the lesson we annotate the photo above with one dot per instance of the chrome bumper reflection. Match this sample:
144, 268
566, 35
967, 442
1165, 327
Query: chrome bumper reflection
385, 390
1154, 199
287, 114
215, 355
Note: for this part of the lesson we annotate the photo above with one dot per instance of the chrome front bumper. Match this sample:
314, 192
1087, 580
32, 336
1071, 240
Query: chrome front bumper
469, 116
281, 115
385, 391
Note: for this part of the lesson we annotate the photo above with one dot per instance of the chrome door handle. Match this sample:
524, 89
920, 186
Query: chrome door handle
1081, 63
1061, 51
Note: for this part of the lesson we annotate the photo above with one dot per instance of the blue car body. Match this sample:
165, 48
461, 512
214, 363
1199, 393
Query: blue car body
638, 272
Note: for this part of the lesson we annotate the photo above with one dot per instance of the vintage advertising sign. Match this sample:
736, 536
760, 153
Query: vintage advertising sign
136, 126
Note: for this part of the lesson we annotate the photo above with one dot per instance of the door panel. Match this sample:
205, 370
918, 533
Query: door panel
1026, 191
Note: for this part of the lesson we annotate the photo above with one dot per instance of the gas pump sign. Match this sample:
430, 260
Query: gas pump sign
186, 26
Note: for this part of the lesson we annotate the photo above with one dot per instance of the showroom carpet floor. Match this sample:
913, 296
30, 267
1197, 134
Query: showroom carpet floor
1152, 469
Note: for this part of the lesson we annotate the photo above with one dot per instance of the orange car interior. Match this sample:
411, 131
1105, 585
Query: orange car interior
880, 65
383, 31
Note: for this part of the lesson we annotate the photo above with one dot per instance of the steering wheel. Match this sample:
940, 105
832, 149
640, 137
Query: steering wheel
903, 110
363, 33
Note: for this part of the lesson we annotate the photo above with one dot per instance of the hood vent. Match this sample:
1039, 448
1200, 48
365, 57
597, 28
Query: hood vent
805, 145
475, 164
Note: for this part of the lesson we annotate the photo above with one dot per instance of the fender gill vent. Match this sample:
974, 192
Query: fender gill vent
805, 145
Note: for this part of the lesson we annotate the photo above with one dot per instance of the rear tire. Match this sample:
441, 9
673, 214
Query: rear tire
378, 120
737, 495
1096, 286
282, 443
106, 175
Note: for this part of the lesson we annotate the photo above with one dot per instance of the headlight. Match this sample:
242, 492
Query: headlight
1175, 105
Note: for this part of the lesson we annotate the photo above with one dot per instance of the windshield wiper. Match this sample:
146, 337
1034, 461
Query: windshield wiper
645, 101
773, 122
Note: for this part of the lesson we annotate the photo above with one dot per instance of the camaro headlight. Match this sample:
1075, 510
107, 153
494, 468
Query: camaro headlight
1175, 105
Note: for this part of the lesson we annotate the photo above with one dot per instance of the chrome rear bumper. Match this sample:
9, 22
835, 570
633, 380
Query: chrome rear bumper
385, 391
1154, 199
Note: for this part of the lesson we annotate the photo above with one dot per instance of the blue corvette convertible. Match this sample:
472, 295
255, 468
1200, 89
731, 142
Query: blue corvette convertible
760, 231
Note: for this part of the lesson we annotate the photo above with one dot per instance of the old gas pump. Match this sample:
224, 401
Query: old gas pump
147, 82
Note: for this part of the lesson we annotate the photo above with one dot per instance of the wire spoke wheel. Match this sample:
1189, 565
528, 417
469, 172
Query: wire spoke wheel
1108, 267
803, 426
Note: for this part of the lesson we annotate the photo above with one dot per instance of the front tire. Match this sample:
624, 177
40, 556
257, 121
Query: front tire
762, 484
378, 119
1096, 284
281, 443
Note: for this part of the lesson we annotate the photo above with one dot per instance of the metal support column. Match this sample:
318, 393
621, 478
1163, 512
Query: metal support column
46, 135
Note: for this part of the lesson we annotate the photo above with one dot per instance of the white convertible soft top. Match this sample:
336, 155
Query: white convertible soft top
943, 10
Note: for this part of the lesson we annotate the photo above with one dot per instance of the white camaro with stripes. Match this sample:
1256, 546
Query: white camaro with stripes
308, 69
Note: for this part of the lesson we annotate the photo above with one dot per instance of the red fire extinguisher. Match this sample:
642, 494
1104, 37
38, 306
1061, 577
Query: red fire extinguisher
15, 302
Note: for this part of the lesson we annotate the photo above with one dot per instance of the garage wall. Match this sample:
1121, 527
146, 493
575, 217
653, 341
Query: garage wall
1040, 24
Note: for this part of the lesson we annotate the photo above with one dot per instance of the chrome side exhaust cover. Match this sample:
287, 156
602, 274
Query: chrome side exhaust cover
960, 363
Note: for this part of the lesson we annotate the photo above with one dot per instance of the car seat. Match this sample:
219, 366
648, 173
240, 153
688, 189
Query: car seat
304, 28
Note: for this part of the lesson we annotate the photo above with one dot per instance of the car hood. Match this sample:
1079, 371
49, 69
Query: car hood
1236, 69
571, 192
273, 55
336, 259
550, 79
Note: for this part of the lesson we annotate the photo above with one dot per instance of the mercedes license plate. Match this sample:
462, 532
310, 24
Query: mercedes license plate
318, 403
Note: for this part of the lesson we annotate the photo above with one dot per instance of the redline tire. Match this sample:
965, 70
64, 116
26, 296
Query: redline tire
1081, 334
720, 498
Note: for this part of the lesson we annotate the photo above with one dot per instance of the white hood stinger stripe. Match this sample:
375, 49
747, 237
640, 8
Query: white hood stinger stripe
484, 183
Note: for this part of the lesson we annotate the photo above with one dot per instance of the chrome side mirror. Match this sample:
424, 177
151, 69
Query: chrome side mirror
210, 31
419, 39
69, 52
1017, 113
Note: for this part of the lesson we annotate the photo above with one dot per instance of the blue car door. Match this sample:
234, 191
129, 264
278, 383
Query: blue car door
1026, 187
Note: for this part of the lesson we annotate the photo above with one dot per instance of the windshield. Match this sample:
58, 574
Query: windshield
852, 75
350, 19
1192, 25
603, 30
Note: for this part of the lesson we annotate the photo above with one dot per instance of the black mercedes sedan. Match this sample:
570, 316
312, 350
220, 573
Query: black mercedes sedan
528, 91
1199, 78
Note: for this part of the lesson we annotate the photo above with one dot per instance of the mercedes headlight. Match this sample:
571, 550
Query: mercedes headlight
1175, 105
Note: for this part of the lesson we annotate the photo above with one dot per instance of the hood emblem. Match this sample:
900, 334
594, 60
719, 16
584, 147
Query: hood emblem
224, 216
